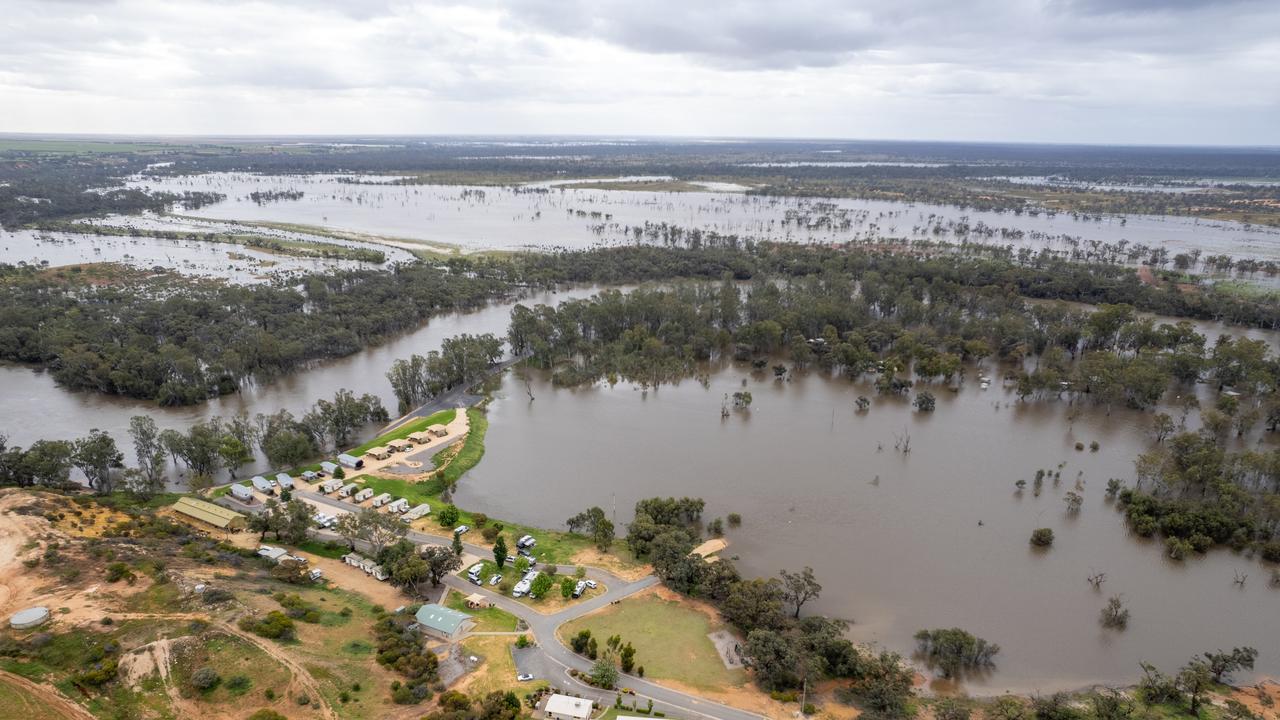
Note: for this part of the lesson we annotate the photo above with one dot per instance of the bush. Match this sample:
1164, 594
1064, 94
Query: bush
1042, 537
266, 714
1271, 551
950, 709
117, 571
205, 678
734, 519
275, 625
239, 684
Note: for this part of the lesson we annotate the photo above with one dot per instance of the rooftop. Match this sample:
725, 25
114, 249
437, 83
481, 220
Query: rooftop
568, 706
207, 512
440, 618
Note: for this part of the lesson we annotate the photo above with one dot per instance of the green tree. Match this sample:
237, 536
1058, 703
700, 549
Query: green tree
440, 562
500, 551
799, 588
97, 456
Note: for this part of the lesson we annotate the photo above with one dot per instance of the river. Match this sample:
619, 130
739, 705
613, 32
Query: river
937, 537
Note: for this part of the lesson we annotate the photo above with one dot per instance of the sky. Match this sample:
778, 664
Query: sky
1087, 71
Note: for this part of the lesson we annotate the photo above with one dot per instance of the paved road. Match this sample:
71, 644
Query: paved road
555, 659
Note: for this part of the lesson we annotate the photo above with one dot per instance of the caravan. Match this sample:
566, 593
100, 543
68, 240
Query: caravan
398, 506
363, 495
381, 500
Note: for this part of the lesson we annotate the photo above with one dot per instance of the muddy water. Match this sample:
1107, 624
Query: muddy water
937, 537
33, 406
503, 218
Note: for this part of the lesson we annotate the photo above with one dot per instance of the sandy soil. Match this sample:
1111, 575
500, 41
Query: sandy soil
1252, 698
594, 558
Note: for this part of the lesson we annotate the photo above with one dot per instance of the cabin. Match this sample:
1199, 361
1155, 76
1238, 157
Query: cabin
328, 468
421, 437
364, 494
284, 480
438, 430
379, 573
210, 514
567, 707
273, 553
382, 499
310, 475
354, 560
419, 511
350, 461
379, 453
441, 622
399, 445
398, 506
330, 485
263, 485
241, 492
346, 490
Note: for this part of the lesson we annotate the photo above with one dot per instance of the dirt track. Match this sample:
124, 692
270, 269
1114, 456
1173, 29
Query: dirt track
50, 697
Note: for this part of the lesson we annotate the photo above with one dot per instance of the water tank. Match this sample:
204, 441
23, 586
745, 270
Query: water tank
29, 618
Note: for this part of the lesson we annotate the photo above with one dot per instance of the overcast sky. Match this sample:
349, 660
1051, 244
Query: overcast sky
1114, 71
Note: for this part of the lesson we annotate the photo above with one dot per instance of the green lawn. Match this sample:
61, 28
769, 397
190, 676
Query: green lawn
488, 620
444, 417
670, 639
332, 550
472, 448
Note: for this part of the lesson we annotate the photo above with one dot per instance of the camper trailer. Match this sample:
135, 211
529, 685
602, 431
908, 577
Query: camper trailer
354, 560
241, 492
419, 511
330, 485
348, 489
328, 468
382, 499
284, 480
363, 495
398, 506
263, 485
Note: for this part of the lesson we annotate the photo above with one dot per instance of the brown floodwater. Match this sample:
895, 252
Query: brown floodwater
937, 537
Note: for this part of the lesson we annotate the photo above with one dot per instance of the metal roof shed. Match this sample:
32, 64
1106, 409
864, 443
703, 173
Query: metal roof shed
207, 512
442, 622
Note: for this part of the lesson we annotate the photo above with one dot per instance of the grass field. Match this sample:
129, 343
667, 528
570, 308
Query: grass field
472, 448
444, 417
498, 672
488, 620
17, 702
65, 147
670, 639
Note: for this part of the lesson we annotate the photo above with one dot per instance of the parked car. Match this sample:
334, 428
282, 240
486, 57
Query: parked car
524, 677
591, 584
495, 579
461, 529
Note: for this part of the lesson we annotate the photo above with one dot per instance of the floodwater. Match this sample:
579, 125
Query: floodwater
478, 218
937, 537
27, 393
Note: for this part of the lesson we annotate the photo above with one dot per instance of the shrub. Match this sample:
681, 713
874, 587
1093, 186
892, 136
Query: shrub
205, 678
267, 714
117, 571
239, 684
1042, 537
950, 709
734, 519
275, 625
1271, 551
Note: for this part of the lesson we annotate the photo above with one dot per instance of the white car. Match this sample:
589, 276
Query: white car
461, 529
495, 579
524, 677
591, 584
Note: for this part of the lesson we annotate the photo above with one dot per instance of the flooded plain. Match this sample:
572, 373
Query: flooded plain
537, 216
937, 537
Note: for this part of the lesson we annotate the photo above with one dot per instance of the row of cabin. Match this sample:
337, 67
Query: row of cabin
359, 495
422, 437
369, 566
